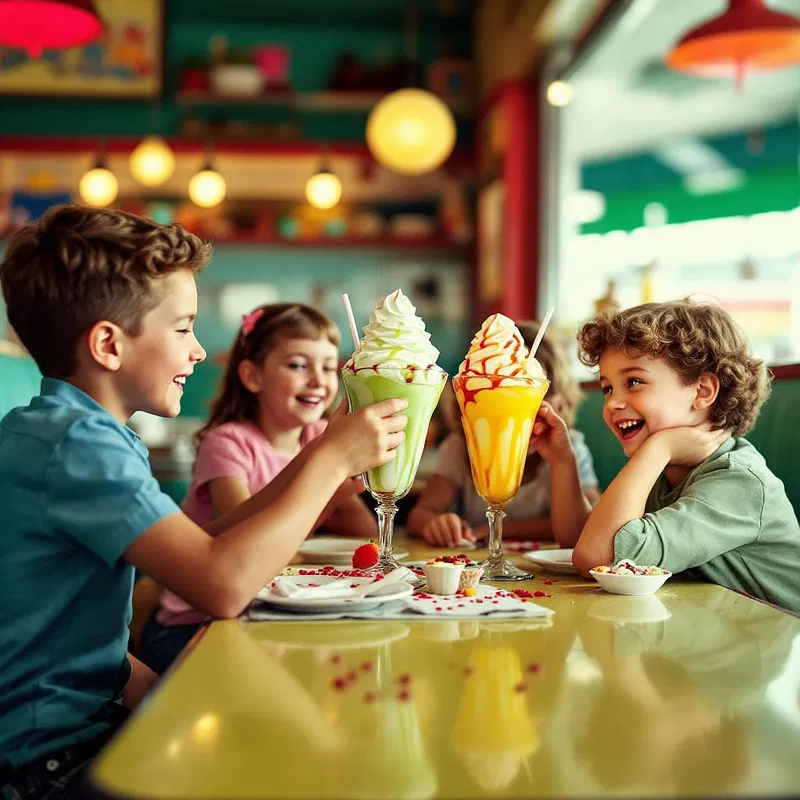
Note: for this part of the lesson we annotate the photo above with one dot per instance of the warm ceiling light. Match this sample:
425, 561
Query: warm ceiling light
37, 25
324, 189
152, 162
207, 188
748, 36
560, 93
98, 186
411, 132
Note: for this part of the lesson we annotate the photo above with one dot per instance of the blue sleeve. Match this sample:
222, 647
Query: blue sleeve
586, 472
101, 490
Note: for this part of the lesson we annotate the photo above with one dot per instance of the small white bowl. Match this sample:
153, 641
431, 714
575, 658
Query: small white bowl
630, 584
442, 577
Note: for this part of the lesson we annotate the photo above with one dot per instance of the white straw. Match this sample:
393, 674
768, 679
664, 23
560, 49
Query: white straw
538, 340
352, 321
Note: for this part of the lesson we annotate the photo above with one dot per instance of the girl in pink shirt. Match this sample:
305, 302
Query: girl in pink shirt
281, 377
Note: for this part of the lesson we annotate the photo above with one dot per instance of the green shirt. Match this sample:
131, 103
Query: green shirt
729, 520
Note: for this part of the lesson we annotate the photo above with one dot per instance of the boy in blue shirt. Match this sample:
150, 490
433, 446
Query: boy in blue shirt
105, 302
681, 390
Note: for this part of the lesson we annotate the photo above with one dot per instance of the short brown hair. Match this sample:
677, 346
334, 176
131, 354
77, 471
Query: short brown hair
272, 322
78, 265
551, 356
693, 338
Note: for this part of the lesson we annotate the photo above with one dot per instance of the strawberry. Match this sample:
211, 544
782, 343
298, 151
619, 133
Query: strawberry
366, 556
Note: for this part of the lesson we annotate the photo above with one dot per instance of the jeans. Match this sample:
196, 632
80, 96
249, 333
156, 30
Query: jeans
60, 775
161, 644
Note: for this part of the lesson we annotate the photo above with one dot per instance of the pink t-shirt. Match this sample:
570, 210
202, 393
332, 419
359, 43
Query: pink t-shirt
232, 450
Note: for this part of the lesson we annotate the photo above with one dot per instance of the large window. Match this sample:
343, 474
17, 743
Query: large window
669, 185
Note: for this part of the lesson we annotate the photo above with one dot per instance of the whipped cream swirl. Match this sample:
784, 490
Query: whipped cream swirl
499, 349
395, 337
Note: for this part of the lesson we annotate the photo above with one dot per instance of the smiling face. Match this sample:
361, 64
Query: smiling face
644, 395
157, 361
296, 383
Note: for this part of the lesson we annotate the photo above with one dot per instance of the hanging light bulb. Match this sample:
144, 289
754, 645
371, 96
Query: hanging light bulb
152, 162
411, 132
324, 189
207, 187
98, 186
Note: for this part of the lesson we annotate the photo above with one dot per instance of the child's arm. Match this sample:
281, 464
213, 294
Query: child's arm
569, 505
221, 575
429, 518
625, 498
142, 679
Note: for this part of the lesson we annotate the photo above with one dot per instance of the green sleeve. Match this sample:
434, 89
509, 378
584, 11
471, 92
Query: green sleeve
718, 511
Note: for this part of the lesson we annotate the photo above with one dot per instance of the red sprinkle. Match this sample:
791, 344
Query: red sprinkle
540, 593
468, 670
404, 680
340, 684
521, 687
534, 668
335, 658
366, 666
548, 583
351, 676
369, 697
403, 695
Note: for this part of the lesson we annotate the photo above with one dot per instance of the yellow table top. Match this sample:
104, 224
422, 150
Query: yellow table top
692, 692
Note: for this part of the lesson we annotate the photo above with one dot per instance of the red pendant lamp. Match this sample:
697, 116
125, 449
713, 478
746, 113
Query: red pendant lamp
748, 36
37, 25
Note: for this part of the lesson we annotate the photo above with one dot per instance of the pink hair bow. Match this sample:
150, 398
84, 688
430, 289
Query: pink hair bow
249, 320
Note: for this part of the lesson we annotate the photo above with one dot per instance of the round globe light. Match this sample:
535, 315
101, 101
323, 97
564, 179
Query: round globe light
411, 132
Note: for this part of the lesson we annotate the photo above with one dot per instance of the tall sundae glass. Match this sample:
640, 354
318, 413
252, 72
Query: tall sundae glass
499, 391
395, 360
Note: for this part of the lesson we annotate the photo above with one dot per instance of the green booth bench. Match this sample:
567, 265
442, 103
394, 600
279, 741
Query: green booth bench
777, 434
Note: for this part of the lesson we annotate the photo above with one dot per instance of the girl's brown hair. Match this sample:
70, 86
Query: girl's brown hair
262, 328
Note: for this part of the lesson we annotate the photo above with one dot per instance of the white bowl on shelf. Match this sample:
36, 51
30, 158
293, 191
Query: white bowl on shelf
237, 80
630, 584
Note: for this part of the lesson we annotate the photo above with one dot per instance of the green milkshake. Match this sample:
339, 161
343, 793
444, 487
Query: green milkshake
395, 360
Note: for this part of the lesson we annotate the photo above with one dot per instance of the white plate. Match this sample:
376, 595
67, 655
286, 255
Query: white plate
335, 549
331, 605
553, 560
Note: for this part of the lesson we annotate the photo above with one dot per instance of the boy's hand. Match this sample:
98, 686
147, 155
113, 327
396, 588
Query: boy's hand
688, 446
447, 530
550, 437
367, 438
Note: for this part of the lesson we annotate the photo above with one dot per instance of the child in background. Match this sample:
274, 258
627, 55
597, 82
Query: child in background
281, 377
105, 303
528, 513
681, 389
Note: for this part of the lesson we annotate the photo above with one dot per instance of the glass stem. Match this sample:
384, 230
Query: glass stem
495, 517
386, 510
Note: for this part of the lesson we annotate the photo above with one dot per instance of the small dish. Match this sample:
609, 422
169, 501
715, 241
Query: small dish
558, 561
630, 584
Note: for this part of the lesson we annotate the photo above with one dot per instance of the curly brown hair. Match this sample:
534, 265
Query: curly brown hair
693, 338
235, 403
78, 265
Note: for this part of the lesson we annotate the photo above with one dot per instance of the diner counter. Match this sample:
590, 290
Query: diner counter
694, 691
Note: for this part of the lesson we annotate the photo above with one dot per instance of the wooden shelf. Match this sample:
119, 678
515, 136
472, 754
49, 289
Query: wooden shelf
331, 102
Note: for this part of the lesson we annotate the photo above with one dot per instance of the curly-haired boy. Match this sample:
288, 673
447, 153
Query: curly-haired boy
681, 389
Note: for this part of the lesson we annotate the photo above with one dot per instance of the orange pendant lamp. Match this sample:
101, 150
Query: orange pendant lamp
748, 36
37, 25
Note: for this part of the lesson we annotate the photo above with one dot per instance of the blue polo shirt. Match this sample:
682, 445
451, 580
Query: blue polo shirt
76, 490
